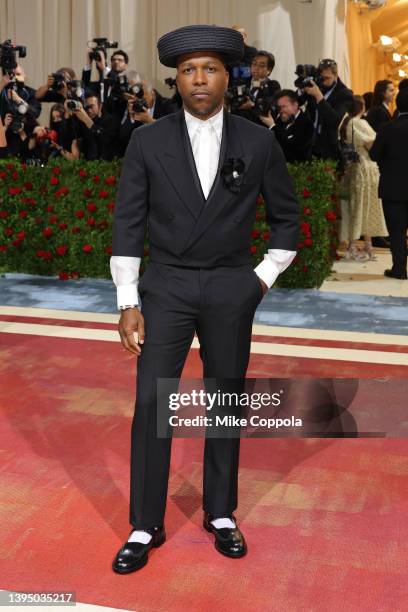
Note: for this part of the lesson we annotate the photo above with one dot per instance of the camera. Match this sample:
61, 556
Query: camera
59, 81
237, 95
170, 82
76, 95
16, 124
8, 53
100, 45
306, 74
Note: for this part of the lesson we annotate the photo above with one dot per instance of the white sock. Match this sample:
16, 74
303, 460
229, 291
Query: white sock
219, 523
140, 536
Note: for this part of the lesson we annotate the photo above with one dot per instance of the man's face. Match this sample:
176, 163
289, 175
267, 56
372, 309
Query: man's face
259, 68
118, 63
202, 80
19, 74
92, 107
328, 77
287, 108
389, 93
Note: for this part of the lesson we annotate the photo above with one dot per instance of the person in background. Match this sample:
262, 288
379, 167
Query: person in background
368, 102
241, 70
98, 133
56, 87
365, 215
390, 151
293, 128
379, 113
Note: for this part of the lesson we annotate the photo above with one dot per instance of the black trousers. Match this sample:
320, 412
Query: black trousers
396, 218
219, 304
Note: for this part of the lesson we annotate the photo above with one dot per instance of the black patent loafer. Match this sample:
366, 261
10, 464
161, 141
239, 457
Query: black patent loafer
228, 541
392, 274
134, 555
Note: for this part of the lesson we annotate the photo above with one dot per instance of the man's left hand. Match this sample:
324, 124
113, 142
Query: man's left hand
265, 287
268, 120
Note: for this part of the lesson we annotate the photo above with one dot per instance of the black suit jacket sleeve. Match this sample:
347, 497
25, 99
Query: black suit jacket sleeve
330, 116
129, 224
377, 150
282, 207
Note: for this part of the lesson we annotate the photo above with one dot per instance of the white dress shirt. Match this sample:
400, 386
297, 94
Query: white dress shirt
205, 137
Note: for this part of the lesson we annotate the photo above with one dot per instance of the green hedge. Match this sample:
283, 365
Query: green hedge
56, 220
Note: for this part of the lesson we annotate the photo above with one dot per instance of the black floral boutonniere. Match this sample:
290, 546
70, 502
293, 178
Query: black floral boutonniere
232, 173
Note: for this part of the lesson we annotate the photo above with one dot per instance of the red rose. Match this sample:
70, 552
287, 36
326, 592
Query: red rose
56, 170
96, 180
87, 193
16, 243
44, 254
61, 191
110, 180
63, 226
108, 250
3, 214
21, 235
305, 228
54, 180
29, 201
14, 190
305, 269
75, 274
14, 176
50, 208
75, 229
111, 206
103, 193
91, 207
255, 233
3, 248
3, 175
23, 167
28, 186
300, 245
83, 173
307, 210
331, 215
63, 276
91, 221
8, 231
306, 193
47, 232
87, 248
253, 249
265, 235
61, 250
54, 219
308, 242
23, 214
79, 214
10, 166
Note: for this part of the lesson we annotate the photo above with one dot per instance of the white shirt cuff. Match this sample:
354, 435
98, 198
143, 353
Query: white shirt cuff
274, 263
125, 275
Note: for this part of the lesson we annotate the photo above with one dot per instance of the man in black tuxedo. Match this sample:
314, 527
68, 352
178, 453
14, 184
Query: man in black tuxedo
390, 151
326, 105
293, 128
193, 177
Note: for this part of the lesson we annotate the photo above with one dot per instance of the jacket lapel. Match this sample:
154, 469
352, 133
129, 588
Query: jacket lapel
177, 162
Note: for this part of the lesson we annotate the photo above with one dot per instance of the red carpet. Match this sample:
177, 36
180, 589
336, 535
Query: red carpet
325, 520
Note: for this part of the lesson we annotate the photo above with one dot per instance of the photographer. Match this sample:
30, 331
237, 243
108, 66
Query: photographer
293, 128
56, 87
261, 89
16, 97
241, 70
18, 133
107, 76
98, 134
144, 108
123, 88
327, 101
